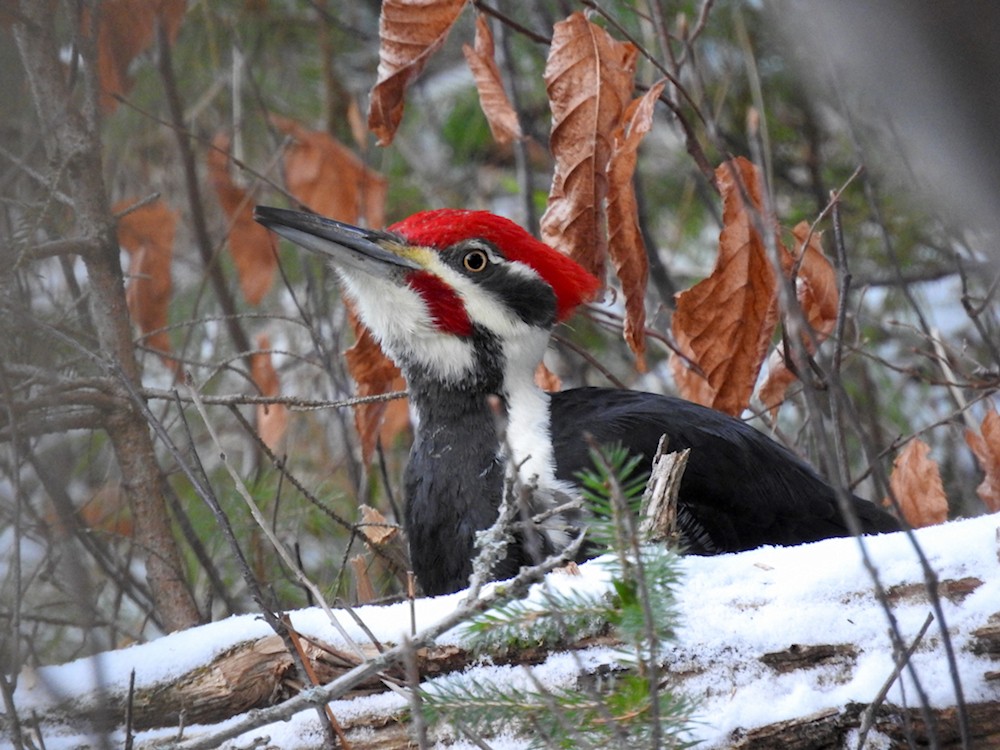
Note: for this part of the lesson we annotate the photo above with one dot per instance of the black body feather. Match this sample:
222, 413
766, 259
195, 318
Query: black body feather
741, 489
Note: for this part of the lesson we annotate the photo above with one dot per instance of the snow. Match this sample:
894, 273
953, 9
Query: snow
734, 608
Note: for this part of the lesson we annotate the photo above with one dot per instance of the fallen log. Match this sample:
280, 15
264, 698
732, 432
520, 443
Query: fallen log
755, 632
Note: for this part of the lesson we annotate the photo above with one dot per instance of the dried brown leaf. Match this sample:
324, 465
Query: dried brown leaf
546, 379
724, 323
410, 31
375, 374
250, 244
364, 589
10, 13
772, 391
375, 528
329, 178
147, 234
916, 485
625, 243
816, 285
272, 419
986, 447
106, 512
500, 113
819, 297
588, 80
125, 28
690, 383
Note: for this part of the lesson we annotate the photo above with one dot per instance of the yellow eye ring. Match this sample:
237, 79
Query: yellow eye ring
475, 261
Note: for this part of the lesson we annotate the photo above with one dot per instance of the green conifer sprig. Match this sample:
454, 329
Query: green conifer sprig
565, 717
638, 609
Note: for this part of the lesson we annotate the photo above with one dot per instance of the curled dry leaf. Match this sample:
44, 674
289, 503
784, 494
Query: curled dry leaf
375, 374
375, 527
250, 244
625, 244
546, 379
986, 447
779, 376
691, 384
500, 113
410, 31
816, 281
724, 323
329, 178
125, 28
272, 419
916, 485
147, 234
364, 589
819, 297
588, 80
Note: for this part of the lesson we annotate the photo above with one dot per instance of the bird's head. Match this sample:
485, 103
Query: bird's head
443, 289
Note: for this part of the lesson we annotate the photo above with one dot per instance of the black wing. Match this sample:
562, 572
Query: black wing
740, 489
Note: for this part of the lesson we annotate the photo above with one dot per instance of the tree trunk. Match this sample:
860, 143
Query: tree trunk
68, 121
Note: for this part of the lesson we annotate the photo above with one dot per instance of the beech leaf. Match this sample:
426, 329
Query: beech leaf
690, 383
916, 485
546, 379
329, 178
772, 391
410, 31
625, 244
986, 447
500, 113
375, 374
147, 234
816, 282
819, 297
250, 244
272, 419
588, 80
724, 323
125, 28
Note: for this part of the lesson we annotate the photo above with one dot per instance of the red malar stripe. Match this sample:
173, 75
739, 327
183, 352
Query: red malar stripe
445, 306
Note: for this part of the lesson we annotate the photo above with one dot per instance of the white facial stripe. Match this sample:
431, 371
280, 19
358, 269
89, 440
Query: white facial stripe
522, 269
484, 308
403, 321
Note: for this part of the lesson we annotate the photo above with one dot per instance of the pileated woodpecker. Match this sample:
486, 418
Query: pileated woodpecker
464, 302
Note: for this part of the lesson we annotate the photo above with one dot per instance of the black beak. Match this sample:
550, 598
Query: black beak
345, 245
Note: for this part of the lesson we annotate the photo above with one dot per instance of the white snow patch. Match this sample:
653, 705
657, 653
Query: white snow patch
734, 609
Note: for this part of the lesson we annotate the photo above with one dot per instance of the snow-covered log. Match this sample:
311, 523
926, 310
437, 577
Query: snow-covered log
779, 647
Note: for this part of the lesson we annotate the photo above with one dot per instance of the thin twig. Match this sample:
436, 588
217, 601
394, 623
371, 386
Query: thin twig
419, 721
129, 704
868, 717
196, 204
511, 589
332, 726
297, 404
508, 21
276, 543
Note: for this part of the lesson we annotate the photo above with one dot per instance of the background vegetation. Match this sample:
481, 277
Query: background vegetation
121, 469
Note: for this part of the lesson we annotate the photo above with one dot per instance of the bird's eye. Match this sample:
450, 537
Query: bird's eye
475, 261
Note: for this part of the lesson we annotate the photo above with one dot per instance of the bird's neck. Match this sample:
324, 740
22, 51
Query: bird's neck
454, 481
468, 431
